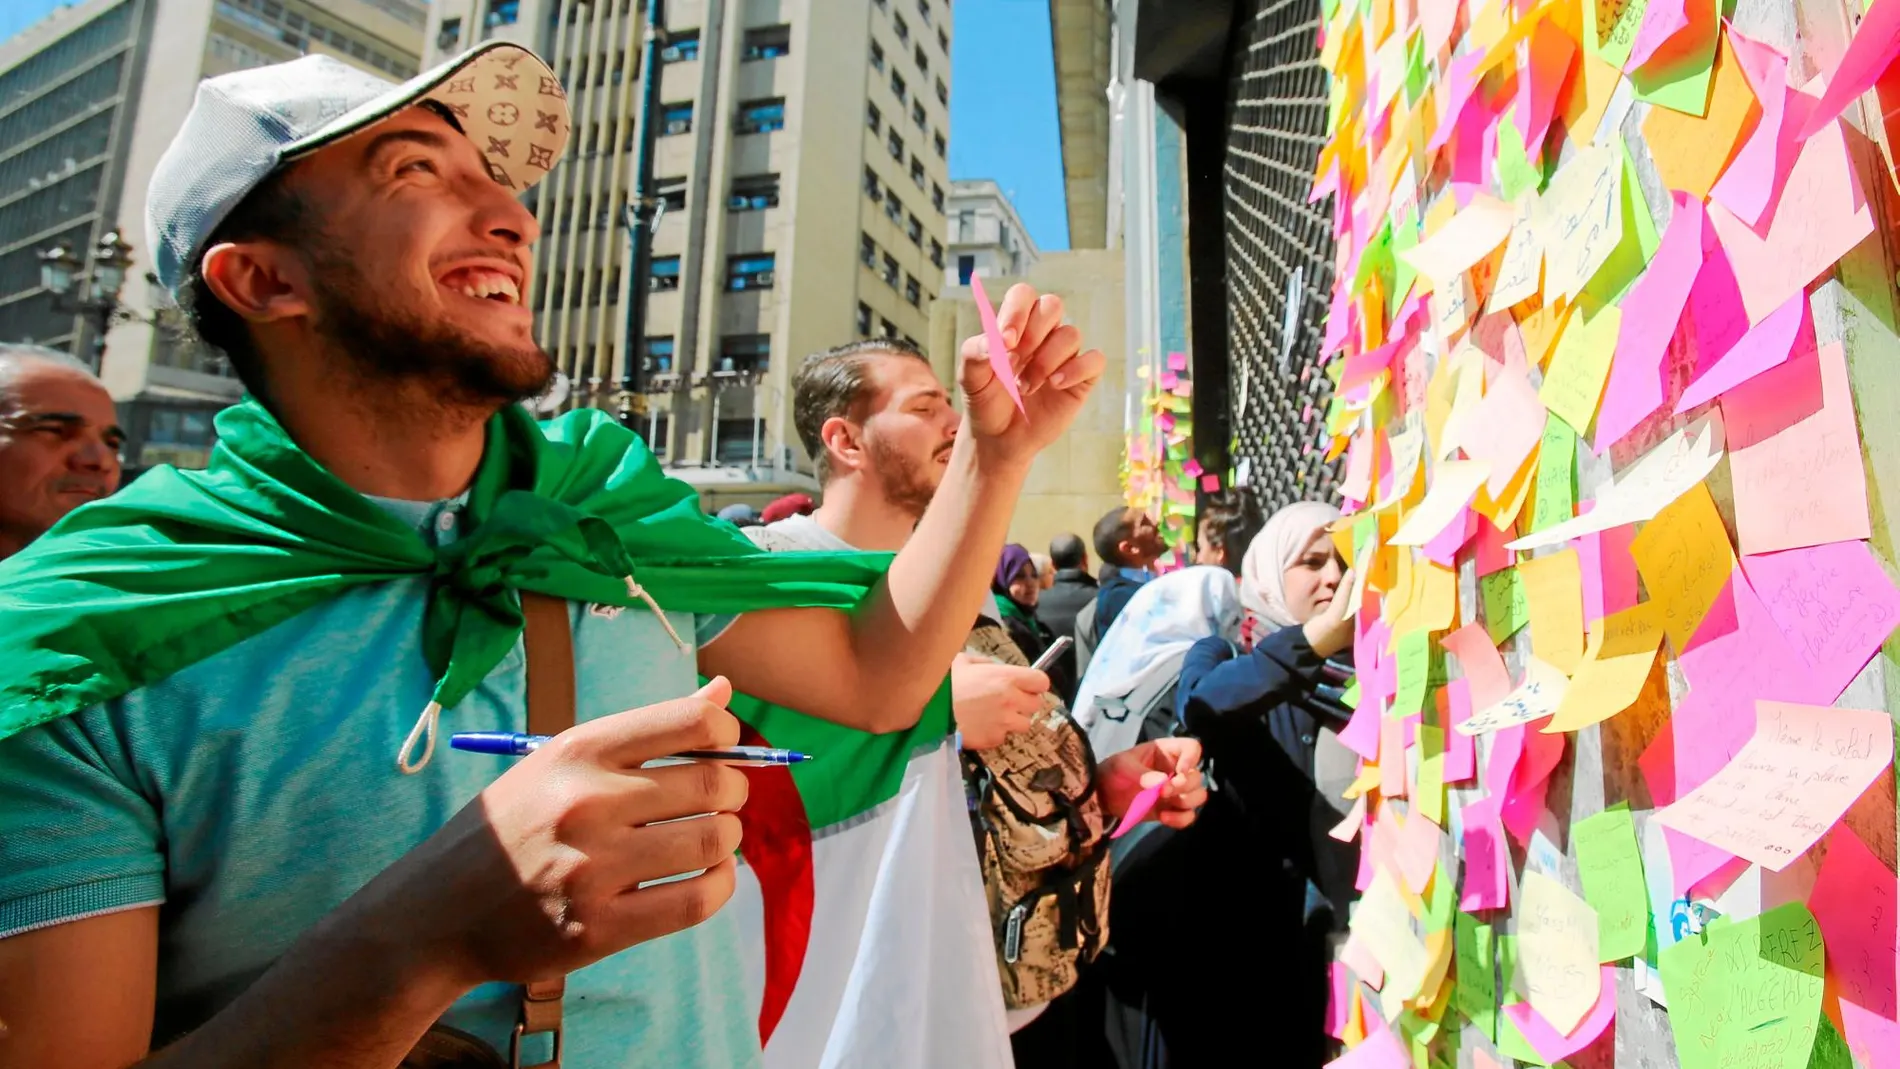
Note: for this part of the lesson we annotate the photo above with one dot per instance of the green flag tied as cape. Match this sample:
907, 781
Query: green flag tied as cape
181, 565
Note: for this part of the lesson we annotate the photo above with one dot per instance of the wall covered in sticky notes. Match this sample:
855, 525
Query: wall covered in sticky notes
1644, 319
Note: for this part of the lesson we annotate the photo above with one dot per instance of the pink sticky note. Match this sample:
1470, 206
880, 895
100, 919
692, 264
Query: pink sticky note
1662, 20
1798, 475
1381, 1051
1651, 313
1834, 604
1876, 42
1554, 1046
1799, 246
1489, 550
1443, 548
1874, 1040
1753, 177
1788, 331
1461, 81
1417, 851
1210, 483
1339, 1004
1487, 859
1169, 379
998, 351
1361, 734
1530, 783
1392, 771
1483, 667
1437, 19
1505, 426
1609, 571
1138, 809
1191, 469
1855, 899
1177, 362
1461, 750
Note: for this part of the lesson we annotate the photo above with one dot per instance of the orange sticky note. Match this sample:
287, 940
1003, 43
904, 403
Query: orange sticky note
1692, 151
1614, 670
1553, 590
1685, 559
1788, 785
1590, 92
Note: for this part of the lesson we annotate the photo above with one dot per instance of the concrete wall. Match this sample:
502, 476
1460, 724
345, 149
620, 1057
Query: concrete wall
1079, 477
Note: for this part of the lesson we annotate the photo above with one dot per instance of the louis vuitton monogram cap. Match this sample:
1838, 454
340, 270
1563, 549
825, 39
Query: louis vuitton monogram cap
245, 125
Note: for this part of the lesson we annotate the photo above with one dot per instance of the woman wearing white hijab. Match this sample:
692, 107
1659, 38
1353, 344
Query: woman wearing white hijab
1247, 877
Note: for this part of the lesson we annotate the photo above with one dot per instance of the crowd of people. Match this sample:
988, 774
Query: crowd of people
229, 831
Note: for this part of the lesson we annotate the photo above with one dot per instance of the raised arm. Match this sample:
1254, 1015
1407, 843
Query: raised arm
876, 669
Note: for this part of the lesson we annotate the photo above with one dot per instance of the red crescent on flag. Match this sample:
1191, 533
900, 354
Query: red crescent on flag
776, 843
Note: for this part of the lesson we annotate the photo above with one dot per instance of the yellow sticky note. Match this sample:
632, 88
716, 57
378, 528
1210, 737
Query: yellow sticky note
1583, 219
1540, 327
1557, 951
1521, 273
1437, 595
1383, 925
1685, 559
1615, 668
1580, 367
1692, 151
1591, 89
1553, 593
1471, 235
1429, 793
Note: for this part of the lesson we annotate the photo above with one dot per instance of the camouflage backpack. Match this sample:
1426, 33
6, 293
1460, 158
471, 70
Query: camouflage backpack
1042, 840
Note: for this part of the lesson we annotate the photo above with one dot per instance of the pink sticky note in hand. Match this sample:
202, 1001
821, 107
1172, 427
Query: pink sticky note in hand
999, 352
1138, 809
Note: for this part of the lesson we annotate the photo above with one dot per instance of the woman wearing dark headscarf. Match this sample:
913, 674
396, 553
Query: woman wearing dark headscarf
1018, 586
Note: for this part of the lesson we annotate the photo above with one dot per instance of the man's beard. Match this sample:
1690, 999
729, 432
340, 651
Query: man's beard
906, 483
386, 346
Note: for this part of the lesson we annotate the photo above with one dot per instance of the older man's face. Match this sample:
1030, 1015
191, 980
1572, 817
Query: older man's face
59, 448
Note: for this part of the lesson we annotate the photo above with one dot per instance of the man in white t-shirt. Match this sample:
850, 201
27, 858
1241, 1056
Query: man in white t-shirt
880, 427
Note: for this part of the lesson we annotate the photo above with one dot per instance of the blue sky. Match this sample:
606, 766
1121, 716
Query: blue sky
1002, 103
1003, 110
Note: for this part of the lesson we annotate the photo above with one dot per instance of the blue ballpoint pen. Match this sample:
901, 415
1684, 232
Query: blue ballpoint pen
515, 744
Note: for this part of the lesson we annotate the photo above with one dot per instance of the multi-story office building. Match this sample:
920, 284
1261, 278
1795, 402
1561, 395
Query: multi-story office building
800, 153
987, 237
89, 98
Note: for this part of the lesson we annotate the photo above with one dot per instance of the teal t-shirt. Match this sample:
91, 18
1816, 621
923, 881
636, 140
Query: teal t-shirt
253, 792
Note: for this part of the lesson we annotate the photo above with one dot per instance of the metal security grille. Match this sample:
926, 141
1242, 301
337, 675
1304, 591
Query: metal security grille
1279, 251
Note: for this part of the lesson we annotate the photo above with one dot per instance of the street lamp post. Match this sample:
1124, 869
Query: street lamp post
95, 294
640, 219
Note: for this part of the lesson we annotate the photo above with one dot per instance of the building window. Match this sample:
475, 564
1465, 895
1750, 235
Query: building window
872, 188
658, 357
877, 56
658, 426
671, 192
741, 353
936, 252
502, 13
943, 92
917, 114
896, 145
936, 197
936, 141
767, 42
873, 119
666, 273
898, 87
754, 193
676, 118
912, 292
966, 226
681, 45
864, 320
902, 27
738, 441
447, 36
944, 40
894, 209
867, 251
890, 270
923, 11
916, 232
762, 116
923, 61
749, 272
966, 266
917, 171
886, 328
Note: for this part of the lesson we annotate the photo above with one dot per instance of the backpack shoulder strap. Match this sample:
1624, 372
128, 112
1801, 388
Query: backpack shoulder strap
548, 639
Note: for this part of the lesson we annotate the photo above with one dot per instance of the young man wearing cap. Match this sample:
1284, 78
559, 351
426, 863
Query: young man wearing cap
228, 834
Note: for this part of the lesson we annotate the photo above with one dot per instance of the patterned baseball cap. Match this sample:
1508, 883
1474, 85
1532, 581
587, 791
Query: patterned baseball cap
245, 125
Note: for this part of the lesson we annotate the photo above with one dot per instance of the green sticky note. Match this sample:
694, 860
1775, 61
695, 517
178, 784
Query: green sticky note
1625, 263
1441, 901
1414, 655
1512, 1044
1505, 610
1377, 258
1682, 80
1747, 992
1475, 993
1615, 36
1417, 77
1507, 960
1516, 172
1556, 475
1350, 699
1404, 239
1611, 865
1830, 1047
1428, 793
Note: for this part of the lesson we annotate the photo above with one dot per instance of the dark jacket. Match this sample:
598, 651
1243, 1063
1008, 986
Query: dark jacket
1258, 716
1032, 638
1056, 611
1117, 586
